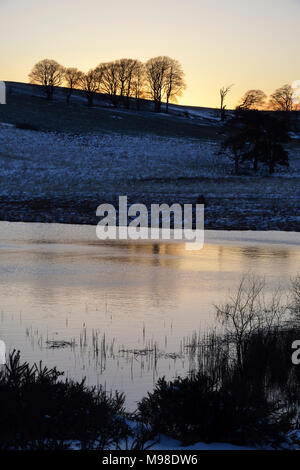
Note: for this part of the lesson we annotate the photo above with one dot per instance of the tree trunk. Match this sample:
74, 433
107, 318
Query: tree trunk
239, 354
167, 105
115, 101
49, 93
157, 106
222, 113
90, 100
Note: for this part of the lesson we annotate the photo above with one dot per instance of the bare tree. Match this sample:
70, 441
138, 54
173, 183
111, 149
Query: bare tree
111, 81
122, 80
72, 78
156, 73
252, 99
49, 74
133, 70
90, 83
248, 312
126, 70
223, 93
282, 99
122, 75
174, 82
138, 83
240, 315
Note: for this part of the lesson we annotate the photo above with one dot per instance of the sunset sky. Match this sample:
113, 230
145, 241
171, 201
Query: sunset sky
250, 43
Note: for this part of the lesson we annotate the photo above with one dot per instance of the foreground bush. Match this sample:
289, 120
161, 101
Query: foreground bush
194, 409
39, 411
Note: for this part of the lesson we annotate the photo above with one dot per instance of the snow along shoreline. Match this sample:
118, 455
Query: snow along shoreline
72, 233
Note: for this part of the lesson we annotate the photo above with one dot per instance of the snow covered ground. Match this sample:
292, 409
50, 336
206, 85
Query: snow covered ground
163, 442
167, 443
38, 162
63, 178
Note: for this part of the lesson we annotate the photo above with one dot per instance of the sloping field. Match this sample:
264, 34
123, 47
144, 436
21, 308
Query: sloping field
63, 178
26, 105
80, 157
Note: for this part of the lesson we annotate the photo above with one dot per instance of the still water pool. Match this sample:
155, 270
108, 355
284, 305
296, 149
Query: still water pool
120, 314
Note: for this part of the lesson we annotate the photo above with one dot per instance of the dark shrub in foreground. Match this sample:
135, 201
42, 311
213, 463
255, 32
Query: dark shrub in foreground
253, 404
192, 410
39, 411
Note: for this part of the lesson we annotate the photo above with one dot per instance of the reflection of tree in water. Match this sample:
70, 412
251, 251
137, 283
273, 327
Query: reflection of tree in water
155, 249
257, 252
155, 255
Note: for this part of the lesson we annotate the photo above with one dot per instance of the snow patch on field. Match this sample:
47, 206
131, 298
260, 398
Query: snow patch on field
41, 162
49, 177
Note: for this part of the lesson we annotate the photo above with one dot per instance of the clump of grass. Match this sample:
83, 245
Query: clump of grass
39, 410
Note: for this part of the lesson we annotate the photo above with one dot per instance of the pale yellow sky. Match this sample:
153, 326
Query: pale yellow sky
251, 43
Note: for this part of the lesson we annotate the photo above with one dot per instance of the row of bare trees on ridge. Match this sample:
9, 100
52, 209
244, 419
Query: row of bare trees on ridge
159, 79
281, 100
